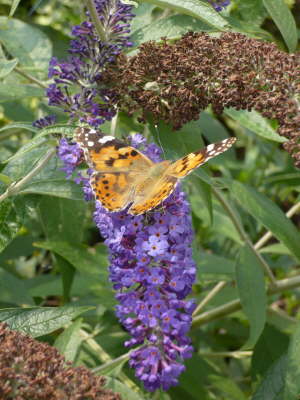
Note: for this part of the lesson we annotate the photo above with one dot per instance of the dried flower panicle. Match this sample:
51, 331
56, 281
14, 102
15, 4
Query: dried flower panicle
176, 81
31, 370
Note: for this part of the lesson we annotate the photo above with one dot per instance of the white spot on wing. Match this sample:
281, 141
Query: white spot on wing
105, 139
90, 143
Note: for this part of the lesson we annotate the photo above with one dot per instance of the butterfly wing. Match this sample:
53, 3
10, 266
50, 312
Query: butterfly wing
149, 196
113, 190
187, 164
107, 154
118, 167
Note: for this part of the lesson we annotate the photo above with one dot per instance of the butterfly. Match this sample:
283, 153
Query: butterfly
124, 176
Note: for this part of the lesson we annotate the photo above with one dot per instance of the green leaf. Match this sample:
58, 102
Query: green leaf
252, 292
20, 125
194, 8
13, 91
171, 27
256, 123
269, 347
177, 143
13, 290
69, 341
6, 66
213, 266
201, 190
44, 285
284, 20
277, 248
57, 219
38, 321
85, 261
118, 387
26, 43
53, 187
10, 222
36, 141
292, 381
227, 387
272, 386
269, 214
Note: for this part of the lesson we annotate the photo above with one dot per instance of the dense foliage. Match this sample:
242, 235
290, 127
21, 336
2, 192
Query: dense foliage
198, 298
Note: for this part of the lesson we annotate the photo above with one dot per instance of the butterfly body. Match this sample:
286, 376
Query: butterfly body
124, 176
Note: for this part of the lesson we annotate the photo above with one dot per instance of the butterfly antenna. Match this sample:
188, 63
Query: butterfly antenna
159, 142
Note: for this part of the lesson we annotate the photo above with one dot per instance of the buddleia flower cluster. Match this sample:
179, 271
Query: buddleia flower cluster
150, 255
77, 87
152, 270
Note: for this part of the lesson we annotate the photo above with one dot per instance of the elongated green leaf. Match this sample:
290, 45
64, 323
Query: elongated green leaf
292, 381
38, 321
255, 122
227, 387
37, 141
272, 386
269, 214
12, 92
6, 66
194, 8
118, 387
252, 292
53, 187
19, 125
69, 341
211, 266
79, 256
13, 290
10, 223
27, 43
176, 144
268, 349
284, 20
57, 218
171, 27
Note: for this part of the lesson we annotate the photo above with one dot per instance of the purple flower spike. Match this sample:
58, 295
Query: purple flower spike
89, 100
43, 122
153, 271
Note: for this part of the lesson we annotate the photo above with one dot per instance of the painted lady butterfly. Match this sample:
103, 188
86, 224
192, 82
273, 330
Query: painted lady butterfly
123, 175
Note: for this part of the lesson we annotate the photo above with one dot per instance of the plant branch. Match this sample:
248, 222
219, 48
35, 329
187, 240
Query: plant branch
235, 305
16, 186
104, 356
293, 210
212, 293
233, 354
90, 5
243, 235
31, 78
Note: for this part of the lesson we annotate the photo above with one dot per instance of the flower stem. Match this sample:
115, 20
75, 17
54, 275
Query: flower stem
243, 235
16, 186
212, 293
293, 210
90, 5
31, 78
104, 356
235, 305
